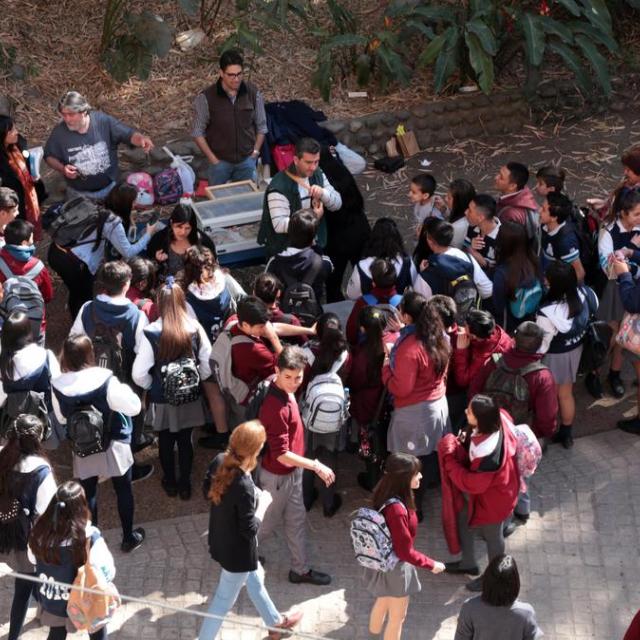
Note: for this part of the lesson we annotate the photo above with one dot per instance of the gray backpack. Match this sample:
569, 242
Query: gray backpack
21, 293
78, 219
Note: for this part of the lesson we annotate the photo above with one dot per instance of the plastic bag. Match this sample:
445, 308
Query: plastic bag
186, 173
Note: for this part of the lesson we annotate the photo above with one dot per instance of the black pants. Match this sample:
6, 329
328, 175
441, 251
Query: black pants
20, 605
167, 442
330, 459
75, 274
124, 497
60, 633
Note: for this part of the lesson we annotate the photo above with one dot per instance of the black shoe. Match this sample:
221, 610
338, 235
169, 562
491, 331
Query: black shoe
564, 437
630, 426
309, 502
454, 567
522, 518
145, 440
262, 560
337, 503
137, 538
474, 585
141, 472
364, 481
169, 488
419, 515
216, 441
616, 384
311, 577
185, 493
593, 385
508, 529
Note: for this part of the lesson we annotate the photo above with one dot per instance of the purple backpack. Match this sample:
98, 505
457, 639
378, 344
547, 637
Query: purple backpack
167, 186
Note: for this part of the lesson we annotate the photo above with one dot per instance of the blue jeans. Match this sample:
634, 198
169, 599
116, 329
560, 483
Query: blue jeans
229, 172
92, 195
227, 593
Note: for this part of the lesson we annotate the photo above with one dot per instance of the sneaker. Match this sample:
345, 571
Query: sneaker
141, 472
137, 538
508, 528
454, 567
289, 620
630, 426
337, 503
474, 585
170, 488
616, 384
522, 518
564, 437
218, 441
311, 577
593, 385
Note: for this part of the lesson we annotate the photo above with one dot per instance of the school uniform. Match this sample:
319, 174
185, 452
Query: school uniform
611, 238
500, 301
378, 295
488, 252
251, 360
117, 403
564, 336
561, 243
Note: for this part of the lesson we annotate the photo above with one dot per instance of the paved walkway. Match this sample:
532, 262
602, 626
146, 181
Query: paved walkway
578, 560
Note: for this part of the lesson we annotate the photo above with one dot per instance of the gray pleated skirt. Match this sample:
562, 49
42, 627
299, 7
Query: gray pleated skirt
564, 366
610, 306
399, 582
165, 416
417, 428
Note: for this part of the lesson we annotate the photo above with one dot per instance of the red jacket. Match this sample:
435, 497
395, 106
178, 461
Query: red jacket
467, 362
146, 305
633, 632
513, 207
413, 378
353, 326
492, 492
403, 526
543, 399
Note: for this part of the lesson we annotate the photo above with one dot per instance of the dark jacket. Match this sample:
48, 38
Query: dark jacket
294, 265
514, 206
629, 292
161, 240
233, 526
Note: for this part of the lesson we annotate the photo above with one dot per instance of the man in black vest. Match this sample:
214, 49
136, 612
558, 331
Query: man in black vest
230, 123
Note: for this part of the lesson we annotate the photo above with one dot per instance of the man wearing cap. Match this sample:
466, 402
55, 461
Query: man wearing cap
84, 147
230, 123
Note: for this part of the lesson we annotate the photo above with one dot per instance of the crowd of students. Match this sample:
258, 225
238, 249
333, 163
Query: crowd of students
482, 327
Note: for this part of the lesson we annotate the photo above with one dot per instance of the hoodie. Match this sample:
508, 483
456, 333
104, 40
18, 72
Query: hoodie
513, 207
445, 267
543, 399
467, 362
295, 264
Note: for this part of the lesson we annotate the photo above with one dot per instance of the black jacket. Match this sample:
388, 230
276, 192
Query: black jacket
233, 526
161, 240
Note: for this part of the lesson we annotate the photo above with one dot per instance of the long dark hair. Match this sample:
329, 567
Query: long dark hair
180, 214
197, 261
385, 241
175, 338
16, 334
120, 201
412, 304
430, 331
65, 519
462, 192
24, 438
399, 470
487, 413
332, 343
77, 353
423, 250
374, 322
563, 287
626, 198
514, 250
6, 124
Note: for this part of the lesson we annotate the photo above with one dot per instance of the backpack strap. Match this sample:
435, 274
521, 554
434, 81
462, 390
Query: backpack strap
6, 271
370, 299
531, 367
337, 365
395, 300
391, 501
34, 272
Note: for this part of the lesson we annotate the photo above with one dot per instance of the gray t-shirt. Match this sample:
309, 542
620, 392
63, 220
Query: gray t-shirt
93, 153
480, 621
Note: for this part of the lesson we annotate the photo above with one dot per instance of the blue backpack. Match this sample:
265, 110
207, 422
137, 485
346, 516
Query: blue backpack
527, 300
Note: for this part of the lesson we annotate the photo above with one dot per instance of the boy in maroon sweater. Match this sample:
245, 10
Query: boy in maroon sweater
282, 465
516, 199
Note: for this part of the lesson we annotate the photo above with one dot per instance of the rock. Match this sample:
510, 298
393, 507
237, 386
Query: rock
358, 149
135, 156
373, 148
372, 120
618, 83
174, 125
335, 126
364, 137
547, 90
18, 72
466, 103
474, 130
7, 106
346, 138
422, 123
355, 126
437, 107
380, 134
403, 115
450, 105
420, 111
388, 119
424, 138
442, 136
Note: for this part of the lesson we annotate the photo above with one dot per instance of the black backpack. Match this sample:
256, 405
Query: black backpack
108, 346
77, 219
30, 402
464, 293
180, 381
87, 431
587, 244
299, 297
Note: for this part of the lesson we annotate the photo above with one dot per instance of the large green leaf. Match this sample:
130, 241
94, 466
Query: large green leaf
419, 26
556, 28
597, 35
597, 61
481, 8
447, 61
571, 6
396, 70
345, 40
481, 62
436, 13
322, 75
432, 50
484, 34
598, 14
534, 39
573, 63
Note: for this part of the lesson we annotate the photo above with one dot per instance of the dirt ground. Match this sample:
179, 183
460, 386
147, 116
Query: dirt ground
588, 150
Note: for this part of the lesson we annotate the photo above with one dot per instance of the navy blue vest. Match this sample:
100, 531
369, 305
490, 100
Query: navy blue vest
211, 313
125, 317
402, 281
564, 342
39, 380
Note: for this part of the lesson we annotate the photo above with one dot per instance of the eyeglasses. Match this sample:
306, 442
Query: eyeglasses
234, 76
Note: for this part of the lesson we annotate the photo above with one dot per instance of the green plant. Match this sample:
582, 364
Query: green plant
130, 41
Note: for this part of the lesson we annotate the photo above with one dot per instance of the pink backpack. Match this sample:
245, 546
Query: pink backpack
528, 451
143, 182
167, 186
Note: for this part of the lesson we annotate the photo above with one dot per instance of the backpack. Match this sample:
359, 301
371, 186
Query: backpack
528, 449
108, 346
325, 407
87, 431
256, 398
587, 244
212, 313
143, 182
527, 300
22, 293
389, 308
403, 277
16, 519
77, 219
533, 229
180, 381
509, 388
234, 389
87, 610
371, 539
30, 402
464, 293
167, 186
299, 297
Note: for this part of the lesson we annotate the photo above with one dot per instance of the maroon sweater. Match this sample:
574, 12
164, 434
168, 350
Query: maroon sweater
251, 361
352, 330
403, 526
513, 207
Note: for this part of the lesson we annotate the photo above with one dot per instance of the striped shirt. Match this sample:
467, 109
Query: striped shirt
201, 115
280, 210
